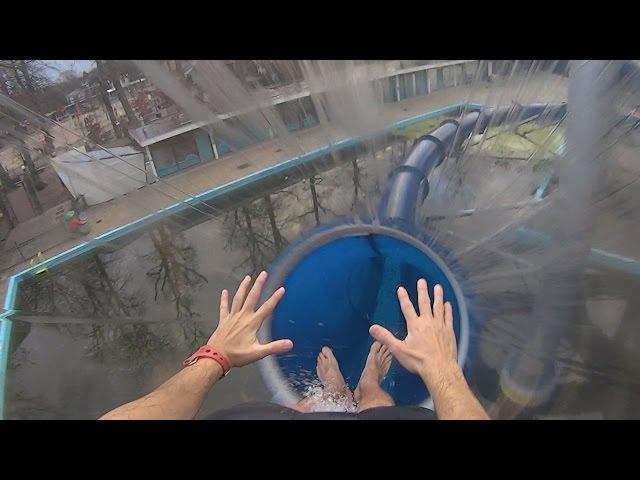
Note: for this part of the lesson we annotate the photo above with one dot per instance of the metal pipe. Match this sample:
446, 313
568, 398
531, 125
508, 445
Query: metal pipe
528, 378
596, 256
410, 185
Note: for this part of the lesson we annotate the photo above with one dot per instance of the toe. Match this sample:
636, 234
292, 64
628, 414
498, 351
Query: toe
326, 351
375, 347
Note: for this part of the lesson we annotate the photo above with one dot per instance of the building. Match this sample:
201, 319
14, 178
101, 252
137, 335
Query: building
175, 142
79, 95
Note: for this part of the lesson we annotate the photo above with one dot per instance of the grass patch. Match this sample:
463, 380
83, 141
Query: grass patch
552, 140
424, 127
530, 138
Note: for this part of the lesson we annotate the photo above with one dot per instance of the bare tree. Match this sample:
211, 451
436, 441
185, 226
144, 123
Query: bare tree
113, 70
89, 289
29, 83
7, 209
278, 239
252, 241
314, 198
25, 81
16, 134
300, 196
355, 179
176, 277
101, 78
248, 231
30, 185
98, 294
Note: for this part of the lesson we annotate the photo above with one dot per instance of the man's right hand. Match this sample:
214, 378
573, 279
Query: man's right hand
429, 349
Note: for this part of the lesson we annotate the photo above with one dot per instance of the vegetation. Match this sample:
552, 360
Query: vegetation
422, 128
529, 139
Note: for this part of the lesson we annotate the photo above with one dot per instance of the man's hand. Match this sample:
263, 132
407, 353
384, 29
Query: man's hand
429, 349
181, 396
235, 336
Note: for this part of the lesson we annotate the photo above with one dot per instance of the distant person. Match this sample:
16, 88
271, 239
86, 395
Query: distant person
429, 350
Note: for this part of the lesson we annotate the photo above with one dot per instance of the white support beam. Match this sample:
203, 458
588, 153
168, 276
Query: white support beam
213, 144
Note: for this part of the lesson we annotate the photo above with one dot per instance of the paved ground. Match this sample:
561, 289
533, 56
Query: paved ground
50, 196
123, 210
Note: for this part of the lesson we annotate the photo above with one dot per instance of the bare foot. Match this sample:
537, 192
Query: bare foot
335, 395
376, 368
329, 373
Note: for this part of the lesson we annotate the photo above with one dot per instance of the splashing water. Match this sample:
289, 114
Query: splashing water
321, 401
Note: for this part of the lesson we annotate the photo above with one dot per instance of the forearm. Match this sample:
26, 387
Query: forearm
179, 398
234, 342
452, 396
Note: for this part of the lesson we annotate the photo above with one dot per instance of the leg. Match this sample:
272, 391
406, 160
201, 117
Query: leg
335, 389
368, 393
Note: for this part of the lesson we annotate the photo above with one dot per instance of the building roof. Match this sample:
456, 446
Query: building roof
73, 156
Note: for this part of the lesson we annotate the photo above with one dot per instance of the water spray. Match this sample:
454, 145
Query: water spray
341, 278
531, 373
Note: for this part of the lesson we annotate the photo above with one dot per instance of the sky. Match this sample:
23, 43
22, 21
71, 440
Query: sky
58, 66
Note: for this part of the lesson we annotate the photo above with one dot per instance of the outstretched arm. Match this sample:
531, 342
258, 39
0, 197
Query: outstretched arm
430, 351
181, 396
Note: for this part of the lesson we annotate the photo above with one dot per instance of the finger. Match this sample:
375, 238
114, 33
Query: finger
407, 307
255, 292
448, 315
387, 359
224, 304
385, 337
277, 347
270, 305
438, 303
238, 298
424, 302
386, 353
